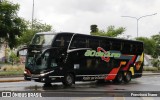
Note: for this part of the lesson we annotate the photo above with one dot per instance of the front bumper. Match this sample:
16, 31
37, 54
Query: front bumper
43, 79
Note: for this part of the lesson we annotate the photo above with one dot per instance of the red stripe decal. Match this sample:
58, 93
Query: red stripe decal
113, 73
131, 61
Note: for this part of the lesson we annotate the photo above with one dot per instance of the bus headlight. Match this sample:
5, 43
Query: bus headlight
43, 74
25, 72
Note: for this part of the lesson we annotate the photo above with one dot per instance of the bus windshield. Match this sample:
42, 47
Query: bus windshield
42, 39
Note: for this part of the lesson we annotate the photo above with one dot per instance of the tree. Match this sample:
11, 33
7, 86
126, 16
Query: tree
11, 26
156, 38
156, 62
111, 31
27, 35
149, 45
94, 29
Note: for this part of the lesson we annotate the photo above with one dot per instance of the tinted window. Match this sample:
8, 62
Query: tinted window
93, 43
105, 44
116, 46
126, 48
62, 40
79, 42
139, 48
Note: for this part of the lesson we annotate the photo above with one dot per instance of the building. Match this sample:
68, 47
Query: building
148, 60
2, 52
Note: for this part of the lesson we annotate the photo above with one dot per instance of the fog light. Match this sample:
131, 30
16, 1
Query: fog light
43, 79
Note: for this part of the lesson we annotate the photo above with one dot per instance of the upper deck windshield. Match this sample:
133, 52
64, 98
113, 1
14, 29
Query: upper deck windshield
42, 39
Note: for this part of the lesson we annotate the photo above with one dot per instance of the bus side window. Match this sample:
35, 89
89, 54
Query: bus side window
57, 42
126, 48
93, 43
134, 48
79, 42
139, 48
103, 44
74, 45
62, 40
116, 46
122, 46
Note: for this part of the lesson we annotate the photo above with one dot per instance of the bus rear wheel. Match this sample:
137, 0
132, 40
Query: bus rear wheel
127, 77
119, 78
68, 80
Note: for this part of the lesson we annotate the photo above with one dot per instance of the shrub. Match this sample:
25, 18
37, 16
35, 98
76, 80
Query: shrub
12, 68
150, 69
156, 62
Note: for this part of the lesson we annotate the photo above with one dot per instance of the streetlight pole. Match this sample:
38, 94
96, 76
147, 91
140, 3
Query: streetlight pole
137, 19
32, 14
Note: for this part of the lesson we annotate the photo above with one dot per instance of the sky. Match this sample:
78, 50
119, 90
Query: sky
77, 15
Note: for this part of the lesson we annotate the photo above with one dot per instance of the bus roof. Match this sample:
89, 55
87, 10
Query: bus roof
112, 38
46, 33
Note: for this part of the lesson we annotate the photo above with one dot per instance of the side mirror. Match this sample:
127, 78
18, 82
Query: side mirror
22, 51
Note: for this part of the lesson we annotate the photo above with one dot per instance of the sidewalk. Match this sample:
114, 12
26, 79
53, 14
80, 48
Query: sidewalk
146, 73
11, 79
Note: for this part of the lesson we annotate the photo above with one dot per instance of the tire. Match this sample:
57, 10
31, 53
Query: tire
68, 80
128, 77
119, 78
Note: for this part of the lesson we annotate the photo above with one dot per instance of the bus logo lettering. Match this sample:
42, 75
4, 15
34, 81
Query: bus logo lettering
105, 55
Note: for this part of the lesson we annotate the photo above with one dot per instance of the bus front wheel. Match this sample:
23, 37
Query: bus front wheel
68, 80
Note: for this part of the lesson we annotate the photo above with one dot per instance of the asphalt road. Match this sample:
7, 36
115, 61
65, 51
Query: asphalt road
90, 90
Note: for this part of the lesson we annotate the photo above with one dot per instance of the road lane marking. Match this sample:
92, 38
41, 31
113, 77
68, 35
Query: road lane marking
119, 98
151, 83
88, 98
147, 98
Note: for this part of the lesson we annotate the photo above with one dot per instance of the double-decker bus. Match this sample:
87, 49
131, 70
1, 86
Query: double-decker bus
69, 57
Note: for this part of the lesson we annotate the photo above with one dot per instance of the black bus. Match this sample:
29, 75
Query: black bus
69, 57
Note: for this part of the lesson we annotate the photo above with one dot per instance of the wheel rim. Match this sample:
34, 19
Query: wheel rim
69, 79
120, 77
128, 76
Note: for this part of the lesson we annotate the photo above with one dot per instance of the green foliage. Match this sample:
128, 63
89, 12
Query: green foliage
149, 45
11, 25
156, 38
40, 27
111, 31
156, 62
13, 58
26, 37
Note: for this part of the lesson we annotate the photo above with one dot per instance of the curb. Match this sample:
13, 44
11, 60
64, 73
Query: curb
1, 81
11, 79
147, 74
